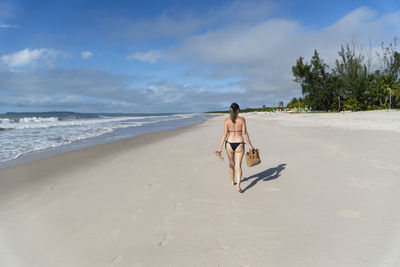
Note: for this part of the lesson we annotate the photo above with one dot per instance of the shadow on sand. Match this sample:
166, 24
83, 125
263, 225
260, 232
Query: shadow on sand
267, 175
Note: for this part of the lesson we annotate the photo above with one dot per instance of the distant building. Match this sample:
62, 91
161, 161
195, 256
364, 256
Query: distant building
280, 104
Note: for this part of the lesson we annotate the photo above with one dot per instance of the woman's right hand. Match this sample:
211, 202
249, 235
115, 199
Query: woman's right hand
251, 147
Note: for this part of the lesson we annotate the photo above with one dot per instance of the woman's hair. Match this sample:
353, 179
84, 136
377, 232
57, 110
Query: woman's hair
234, 111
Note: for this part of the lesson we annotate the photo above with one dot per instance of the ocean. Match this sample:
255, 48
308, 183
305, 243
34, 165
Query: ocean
28, 136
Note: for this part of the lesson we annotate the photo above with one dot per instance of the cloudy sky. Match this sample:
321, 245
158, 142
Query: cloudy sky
172, 56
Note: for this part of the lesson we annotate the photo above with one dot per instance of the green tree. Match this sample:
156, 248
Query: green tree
296, 103
387, 78
353, 76
314, 79
292, 103
336, 89
351, 84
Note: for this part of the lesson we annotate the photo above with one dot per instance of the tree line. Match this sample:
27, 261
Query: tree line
358, 81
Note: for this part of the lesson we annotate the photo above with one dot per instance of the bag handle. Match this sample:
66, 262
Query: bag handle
252, 153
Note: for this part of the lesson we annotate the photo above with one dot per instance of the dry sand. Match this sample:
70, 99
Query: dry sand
324, 195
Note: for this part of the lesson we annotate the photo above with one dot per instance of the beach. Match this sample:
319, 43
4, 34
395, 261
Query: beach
325, 194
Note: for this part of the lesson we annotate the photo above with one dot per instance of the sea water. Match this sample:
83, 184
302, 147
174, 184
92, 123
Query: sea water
28, 136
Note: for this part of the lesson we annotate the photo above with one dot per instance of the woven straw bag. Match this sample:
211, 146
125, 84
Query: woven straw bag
253, 158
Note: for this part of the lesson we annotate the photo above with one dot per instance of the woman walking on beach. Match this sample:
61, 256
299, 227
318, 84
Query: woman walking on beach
235, 132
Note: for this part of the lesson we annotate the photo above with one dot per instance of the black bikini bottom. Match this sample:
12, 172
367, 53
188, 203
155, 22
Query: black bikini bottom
234, 145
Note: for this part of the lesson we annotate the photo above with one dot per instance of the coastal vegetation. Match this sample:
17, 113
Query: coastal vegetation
263, 108
358, 81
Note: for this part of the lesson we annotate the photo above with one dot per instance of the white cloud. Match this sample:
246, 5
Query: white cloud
259, 55
262, 54
86, 54
151, 56
27, 57
94, 90
2, 25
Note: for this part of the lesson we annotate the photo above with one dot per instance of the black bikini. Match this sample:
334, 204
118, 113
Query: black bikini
234, 145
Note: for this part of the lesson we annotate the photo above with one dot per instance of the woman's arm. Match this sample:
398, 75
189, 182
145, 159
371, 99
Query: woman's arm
246, 134
223, 136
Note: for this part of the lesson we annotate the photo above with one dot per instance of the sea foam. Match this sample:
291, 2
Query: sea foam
22, 135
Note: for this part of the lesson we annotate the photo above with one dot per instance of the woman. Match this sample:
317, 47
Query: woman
234, 133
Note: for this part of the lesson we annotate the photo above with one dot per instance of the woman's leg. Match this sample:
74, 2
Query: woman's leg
239, 152
231, 156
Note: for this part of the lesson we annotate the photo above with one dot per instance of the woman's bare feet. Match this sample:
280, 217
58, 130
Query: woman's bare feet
240, 190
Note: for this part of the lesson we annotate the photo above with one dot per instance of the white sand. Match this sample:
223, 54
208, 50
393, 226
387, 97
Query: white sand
385, 120
323, 196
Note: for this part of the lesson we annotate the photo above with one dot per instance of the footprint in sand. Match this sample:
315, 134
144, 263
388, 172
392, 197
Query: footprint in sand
222, 245
48, 188
117, 259
348, 213
166, 239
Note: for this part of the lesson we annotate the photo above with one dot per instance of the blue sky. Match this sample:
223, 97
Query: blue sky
172, 56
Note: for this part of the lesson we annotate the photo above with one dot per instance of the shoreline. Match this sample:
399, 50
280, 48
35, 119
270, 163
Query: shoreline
78, 145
